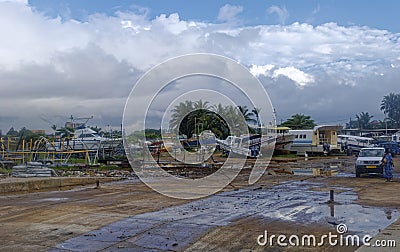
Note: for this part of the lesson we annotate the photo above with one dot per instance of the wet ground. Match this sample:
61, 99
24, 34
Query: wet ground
127, 216
175, 228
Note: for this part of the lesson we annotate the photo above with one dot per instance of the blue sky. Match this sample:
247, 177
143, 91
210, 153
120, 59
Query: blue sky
327, 59
375, 14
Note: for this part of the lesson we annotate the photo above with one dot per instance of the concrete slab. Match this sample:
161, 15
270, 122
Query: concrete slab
14, 185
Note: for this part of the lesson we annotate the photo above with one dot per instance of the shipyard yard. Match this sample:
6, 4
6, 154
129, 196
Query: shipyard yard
125, 215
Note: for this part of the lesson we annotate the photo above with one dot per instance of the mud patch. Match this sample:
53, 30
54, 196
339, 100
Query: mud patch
175, 228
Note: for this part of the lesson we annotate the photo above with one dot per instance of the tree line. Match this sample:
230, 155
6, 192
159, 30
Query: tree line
390, 106
191, 118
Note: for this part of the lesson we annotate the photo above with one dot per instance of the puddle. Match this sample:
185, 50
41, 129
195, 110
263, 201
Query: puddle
176, 227
52, 199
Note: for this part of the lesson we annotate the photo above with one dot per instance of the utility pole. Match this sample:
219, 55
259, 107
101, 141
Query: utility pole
386, 124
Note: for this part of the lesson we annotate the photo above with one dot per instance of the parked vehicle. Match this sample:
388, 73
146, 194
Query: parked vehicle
396, 137
369, 160
392, 146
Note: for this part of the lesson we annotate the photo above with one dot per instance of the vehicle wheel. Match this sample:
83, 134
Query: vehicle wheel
358, 174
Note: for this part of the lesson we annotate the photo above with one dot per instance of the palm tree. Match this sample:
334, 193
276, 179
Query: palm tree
363, 120
247, 115
201, 105
299, 121
390, 105
179, 117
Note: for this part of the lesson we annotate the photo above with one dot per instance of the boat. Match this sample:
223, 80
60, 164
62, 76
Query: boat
82, 137
284, 140
351, 144
322, 139
252, 145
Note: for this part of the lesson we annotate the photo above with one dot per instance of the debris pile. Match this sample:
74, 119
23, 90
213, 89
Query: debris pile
32, 169
97, 173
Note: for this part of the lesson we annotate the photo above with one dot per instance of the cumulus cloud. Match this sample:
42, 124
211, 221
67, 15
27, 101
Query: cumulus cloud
299, 77
261, 70
229, 12
281, 12
63, 67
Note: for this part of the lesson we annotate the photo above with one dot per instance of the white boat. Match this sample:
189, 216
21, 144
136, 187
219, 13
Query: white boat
247, 145
352, 144
284, 140
84, 138
322, 139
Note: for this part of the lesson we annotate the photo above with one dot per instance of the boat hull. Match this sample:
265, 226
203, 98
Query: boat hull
283, 144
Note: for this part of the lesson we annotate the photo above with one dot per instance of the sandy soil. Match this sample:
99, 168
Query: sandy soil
39, 221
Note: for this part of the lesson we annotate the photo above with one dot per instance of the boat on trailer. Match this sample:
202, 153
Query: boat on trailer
284, 139
351, 144
320, 140
82, 137
246, 145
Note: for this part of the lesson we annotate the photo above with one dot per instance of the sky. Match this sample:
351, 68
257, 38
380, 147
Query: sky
328, 59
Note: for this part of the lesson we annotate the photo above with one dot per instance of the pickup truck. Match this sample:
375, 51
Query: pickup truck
369, 160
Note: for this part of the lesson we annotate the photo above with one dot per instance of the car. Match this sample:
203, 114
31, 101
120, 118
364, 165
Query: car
369, 160
392, 146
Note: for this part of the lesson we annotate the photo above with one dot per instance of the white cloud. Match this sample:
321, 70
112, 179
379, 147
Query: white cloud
229, 12
261, 70
66, 67
299, 77
15, 1
282, 13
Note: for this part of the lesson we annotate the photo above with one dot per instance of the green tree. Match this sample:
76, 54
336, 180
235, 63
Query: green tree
247, 115
363, 120
194, 117
299, 121
390, 105
12, 132
179, 117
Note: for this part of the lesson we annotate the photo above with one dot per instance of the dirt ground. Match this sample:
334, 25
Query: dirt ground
241, 235
40, 221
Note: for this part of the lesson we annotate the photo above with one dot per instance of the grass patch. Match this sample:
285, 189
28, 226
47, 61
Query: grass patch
5, 171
